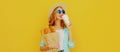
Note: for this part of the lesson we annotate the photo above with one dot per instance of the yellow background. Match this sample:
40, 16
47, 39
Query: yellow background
96, 26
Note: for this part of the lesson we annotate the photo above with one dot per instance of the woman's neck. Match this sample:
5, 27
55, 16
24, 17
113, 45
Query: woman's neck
58, 24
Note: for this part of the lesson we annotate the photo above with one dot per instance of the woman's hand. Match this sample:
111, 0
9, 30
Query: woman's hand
69, 26
67, 21
44, 48
53, 46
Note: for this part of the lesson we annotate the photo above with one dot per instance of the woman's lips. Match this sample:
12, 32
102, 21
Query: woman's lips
60, 16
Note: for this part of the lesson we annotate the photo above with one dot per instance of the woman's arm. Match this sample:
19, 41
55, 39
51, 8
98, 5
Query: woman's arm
69, 30
43, 47
70, 34
70, 41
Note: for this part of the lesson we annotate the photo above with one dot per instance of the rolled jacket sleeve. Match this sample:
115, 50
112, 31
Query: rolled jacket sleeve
42, 43
71, 44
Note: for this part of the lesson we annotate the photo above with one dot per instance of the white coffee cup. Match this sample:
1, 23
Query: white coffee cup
66, 19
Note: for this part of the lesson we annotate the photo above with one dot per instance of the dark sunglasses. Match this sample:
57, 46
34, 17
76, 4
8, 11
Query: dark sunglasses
61, 11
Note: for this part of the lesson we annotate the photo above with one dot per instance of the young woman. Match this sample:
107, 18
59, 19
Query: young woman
64, 30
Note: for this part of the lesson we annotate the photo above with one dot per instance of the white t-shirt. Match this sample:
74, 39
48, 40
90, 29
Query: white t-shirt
61, 38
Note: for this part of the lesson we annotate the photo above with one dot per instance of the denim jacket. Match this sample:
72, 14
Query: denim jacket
67, 43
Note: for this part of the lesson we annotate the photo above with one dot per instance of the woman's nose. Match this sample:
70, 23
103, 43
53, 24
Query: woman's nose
61, 15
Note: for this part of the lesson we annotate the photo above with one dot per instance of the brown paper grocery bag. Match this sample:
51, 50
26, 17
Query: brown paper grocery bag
51, 40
